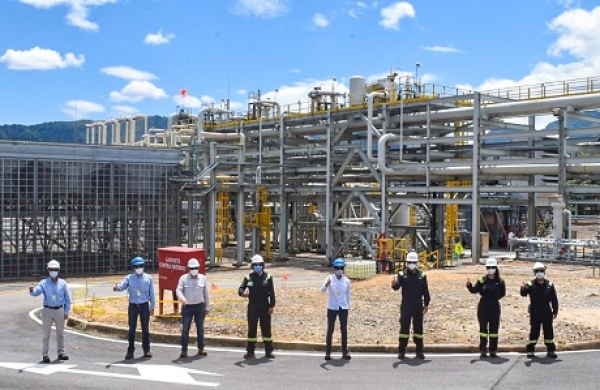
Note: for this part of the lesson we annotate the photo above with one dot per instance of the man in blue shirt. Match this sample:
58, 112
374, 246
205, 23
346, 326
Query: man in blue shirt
57, 306
140, 288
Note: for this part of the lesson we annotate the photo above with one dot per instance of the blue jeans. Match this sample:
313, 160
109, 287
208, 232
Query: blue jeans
143, 311
189, 312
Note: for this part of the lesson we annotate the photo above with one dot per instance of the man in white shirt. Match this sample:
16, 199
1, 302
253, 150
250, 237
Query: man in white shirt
338, 286
192, 292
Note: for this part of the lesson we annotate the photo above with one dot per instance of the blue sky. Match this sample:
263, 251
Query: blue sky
102, 59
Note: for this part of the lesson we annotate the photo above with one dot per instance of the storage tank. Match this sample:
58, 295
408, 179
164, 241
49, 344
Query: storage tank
357, 90
360, 269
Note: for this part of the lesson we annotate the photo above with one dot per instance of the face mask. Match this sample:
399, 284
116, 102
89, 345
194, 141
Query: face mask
194, 272
257, 268
412, 266
139, 271
491, 271
539, 275
339, 272
53, 274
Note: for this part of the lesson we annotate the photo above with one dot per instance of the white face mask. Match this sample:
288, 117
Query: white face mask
539, 275
139, 271
194, 272
412, 266
339, 272
53, 274
491, 271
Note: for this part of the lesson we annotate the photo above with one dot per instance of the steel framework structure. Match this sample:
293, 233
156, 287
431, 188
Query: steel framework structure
91, 208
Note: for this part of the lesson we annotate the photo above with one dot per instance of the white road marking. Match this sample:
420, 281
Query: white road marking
147, 372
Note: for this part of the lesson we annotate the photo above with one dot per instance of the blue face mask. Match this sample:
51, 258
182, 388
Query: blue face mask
257, 268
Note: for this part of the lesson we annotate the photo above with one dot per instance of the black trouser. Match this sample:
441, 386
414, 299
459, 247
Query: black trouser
143, 311
255, 314
331, 316
488, 316
414, 313
545, 320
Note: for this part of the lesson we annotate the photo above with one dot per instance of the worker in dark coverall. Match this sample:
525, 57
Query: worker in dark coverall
415, 303
543, 309
492, 288
258, 287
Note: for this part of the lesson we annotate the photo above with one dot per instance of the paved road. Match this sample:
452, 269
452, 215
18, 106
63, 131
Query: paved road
97, 364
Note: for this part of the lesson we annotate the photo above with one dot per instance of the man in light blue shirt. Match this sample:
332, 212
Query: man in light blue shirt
140, 288
57, 306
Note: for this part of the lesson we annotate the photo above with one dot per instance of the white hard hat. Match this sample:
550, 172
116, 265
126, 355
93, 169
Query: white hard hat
193, 263
257, 259
491, 262
54, 264
538, 265
412, 257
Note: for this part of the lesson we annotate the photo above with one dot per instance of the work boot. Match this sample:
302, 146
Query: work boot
401, 353
551, 355
183, 354
493, 354
45, 359
530, 354
249, 355
148, 354
346, 355
420, 355
483, 352
269, 350
327, 355
62, 356
129, 354
202, 352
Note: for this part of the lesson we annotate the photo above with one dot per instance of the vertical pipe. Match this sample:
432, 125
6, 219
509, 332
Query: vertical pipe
475, 235
328, 214
212, 209
240, 209
283, 206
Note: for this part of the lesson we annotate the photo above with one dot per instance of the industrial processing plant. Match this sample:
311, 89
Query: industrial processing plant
391, 166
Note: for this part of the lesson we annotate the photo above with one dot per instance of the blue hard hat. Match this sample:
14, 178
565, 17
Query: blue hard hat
339, 262
138, 261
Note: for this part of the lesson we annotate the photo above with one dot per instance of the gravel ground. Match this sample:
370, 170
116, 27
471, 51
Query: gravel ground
300, 314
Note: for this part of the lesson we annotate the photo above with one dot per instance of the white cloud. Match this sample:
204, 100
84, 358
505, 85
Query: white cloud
260, 8
78, 10
298, 92
566, 3
78, 109
136, 91
320, 20
120, 111
40, 59
442, 49
578, 31
159, 38
241, 92
128, 73
188, 101
391, 16
295, 70
356, 9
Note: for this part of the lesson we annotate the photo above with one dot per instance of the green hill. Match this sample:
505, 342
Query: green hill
64, 132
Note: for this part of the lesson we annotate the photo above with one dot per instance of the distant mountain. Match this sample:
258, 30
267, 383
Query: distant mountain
64, 132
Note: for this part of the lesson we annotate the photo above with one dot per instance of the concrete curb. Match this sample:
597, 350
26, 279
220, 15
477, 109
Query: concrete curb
234, 342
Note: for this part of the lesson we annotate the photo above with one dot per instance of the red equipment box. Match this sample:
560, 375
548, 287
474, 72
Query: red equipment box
172, 263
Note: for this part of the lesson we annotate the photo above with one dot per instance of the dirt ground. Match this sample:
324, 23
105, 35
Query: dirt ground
300, 314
